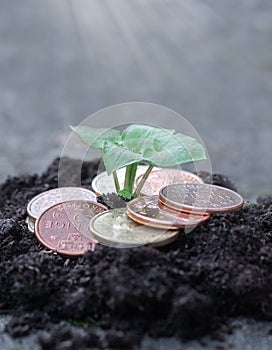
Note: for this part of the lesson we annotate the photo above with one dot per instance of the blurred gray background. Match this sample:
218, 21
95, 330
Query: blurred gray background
210, 61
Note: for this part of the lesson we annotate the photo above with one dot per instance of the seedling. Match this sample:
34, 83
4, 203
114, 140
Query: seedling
140, 143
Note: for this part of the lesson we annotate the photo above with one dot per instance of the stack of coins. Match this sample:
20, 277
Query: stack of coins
146, 211
182, 205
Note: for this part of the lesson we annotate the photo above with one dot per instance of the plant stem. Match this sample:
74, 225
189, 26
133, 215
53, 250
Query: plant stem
142, 182
130, 177
116, 182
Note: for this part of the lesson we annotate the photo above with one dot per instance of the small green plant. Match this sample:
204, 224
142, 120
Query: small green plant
140, 143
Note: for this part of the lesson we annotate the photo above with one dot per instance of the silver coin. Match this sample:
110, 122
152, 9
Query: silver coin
104, 183
114, 228
47, 199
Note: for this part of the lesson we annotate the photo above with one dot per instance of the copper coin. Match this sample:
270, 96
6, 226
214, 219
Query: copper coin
146, 211
165, 207
64, 227
199, 198
164, 177
49, 198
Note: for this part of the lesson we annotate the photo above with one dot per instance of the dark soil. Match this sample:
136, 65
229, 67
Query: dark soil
220, 270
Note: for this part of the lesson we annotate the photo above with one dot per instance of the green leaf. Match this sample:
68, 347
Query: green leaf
96, 137
192, 148
160, 147
138, 143
138, 138
172, 150
116, 156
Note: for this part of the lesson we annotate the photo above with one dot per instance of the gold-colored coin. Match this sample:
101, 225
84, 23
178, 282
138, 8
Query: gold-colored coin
115, 229
104, 183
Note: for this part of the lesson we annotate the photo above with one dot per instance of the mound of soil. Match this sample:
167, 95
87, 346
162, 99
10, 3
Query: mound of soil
222, 269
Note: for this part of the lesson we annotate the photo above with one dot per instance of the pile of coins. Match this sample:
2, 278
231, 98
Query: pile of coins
69, 220
60, 219
183, 205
